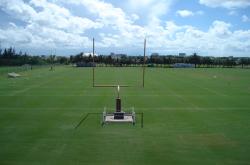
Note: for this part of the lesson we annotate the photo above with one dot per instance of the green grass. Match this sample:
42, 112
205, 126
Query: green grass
191, 116
5, 70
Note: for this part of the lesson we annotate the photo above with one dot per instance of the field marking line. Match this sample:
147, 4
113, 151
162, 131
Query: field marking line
138, 108
124, 95
81, 95
180, 97
82, 120
85, 117
208, 89
218, 93
199, 108
35, 86
18, 85
185, 100
116, 78
201, 87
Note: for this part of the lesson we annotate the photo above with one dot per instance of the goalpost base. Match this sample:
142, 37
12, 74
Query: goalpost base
118, 117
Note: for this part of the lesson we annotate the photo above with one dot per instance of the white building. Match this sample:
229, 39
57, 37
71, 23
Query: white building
91, 54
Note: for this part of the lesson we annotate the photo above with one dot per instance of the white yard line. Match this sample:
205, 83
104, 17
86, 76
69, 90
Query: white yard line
136, 108
34, 86
182, 98
77, 95
201, 87
212, 91
105, 95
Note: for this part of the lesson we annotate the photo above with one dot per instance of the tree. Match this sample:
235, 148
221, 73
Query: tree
243, 61
63, 60
195, 59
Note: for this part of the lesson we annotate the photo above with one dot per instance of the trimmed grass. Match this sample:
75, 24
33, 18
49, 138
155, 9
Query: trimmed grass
191, 116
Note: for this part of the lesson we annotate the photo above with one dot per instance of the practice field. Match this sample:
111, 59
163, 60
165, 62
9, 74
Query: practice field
191, 116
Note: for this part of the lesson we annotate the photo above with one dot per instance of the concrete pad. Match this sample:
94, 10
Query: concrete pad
127, 119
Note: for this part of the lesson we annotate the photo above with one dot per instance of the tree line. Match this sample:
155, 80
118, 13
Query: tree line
9, 57
160, 60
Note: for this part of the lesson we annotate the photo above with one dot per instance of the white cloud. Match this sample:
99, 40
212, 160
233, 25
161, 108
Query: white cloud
58, 17
220, 29
232, 13
188, 13
35, 36
245, 18
54, 26
151, 10
163, 5
200, 12
136, 4
229, 4
135, 17
52, 15
185, 13
116, 19
218, 40
171, 27
18, 9
14, 35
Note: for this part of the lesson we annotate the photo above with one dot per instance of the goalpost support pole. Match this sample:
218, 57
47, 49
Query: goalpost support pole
93, 67
144, 61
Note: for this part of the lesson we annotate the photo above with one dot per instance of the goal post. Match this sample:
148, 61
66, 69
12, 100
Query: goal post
94, 84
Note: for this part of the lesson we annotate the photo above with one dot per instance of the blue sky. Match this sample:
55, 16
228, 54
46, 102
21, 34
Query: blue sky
208, 27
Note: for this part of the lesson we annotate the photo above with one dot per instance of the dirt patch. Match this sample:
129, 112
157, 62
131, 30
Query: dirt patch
212, 140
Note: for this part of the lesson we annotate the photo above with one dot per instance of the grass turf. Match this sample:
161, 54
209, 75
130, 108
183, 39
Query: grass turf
191, 116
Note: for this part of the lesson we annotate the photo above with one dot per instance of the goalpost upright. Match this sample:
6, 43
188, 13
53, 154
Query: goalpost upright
114, 85
144, 61
93, 67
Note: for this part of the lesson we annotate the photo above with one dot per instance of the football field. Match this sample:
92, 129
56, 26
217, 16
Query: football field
191, 116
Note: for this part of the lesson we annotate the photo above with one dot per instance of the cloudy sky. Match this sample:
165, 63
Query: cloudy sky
208, 27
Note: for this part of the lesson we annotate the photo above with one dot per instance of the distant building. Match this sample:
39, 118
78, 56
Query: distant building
182, 54
183, 65
89, 54
117, 56
155, 54
84, 64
